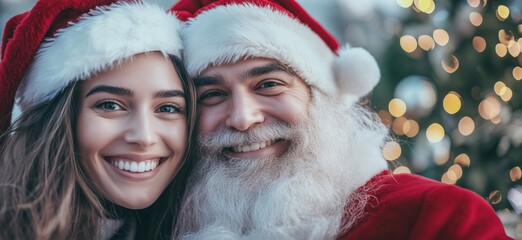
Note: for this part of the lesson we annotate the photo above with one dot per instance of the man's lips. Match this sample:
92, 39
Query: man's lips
250, 147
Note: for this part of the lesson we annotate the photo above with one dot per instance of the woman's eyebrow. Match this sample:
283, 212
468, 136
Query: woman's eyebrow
111, 89
169, 93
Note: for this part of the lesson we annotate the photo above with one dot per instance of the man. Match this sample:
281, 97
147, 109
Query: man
285, 150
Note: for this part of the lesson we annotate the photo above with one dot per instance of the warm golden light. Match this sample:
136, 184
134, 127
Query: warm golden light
401, 170
398, 125
479, 43
475, 18
462, 160
452, 103
502, 12
413, 128
424, 5
405, 3
514, 49
457, 170
452, 65
495, 197
507, 94
474, 3
506, 38
397, 107
391, 151
448, 179
517, 73
499, 87
426, 42
466, 126
489, 108
501, 50
435, 133
441, 37
496, 120
515, 174
408, 43
386, 118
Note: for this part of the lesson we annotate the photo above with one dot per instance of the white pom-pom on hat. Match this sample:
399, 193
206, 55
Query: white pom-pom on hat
356, 71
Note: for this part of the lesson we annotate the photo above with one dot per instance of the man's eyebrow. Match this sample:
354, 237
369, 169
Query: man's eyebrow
169, 93
110, 89
208, 80
274, 66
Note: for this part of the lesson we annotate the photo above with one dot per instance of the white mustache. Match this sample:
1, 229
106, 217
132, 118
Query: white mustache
268, 131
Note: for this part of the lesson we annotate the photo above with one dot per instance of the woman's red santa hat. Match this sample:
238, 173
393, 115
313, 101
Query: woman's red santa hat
226, 31
58, 42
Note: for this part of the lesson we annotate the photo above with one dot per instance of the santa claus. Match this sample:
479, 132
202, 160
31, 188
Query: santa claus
286, 151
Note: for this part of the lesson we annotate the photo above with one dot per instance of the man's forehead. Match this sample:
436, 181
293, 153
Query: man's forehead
241, 70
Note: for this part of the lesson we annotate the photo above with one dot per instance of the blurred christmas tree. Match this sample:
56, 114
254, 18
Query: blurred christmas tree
456, 105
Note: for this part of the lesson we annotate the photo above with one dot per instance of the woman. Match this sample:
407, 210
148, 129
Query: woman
100, 149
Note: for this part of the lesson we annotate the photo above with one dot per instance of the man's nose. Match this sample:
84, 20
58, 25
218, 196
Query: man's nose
245, 111
141, 129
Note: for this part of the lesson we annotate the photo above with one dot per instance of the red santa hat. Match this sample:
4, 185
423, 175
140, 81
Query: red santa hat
224, 31
58, 42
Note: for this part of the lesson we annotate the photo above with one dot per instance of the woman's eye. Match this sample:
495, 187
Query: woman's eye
108, 106
169, 109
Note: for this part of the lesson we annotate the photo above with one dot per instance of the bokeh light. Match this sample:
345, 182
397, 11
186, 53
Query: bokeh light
502, 12
426, 42
408, 43
479, 43
452, 103
412, 128
501, 50
398, 125
515, 174
405, 3
456, 170
401, 170
451, 65
397, 107
391, 151
474, 3
475, 18
495, 197
517, 73
441, 37
489, 108
435, 133
466, 126
506, 38
462, 160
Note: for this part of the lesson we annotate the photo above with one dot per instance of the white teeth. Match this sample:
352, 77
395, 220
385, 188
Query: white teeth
131, 166
252, 146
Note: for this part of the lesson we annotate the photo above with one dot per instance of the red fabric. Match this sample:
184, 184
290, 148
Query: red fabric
186, 9
22, 37
409, 206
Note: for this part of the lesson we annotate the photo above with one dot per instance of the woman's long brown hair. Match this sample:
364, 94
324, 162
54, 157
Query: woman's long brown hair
46, 194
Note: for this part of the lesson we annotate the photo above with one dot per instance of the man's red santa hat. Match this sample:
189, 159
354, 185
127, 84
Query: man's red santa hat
58, 42
224, 31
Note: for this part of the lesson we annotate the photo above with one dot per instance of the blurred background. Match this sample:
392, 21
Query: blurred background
451, 88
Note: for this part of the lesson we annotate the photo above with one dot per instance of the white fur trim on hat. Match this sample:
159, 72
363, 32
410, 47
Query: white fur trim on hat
228, 33
101, 38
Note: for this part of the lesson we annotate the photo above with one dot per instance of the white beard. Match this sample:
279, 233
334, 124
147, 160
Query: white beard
308, 193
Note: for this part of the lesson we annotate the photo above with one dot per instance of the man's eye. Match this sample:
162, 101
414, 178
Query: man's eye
211, 94
269, 84
108, 106
169, 108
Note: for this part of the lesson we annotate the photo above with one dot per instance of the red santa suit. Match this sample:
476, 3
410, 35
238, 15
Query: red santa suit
408, 206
